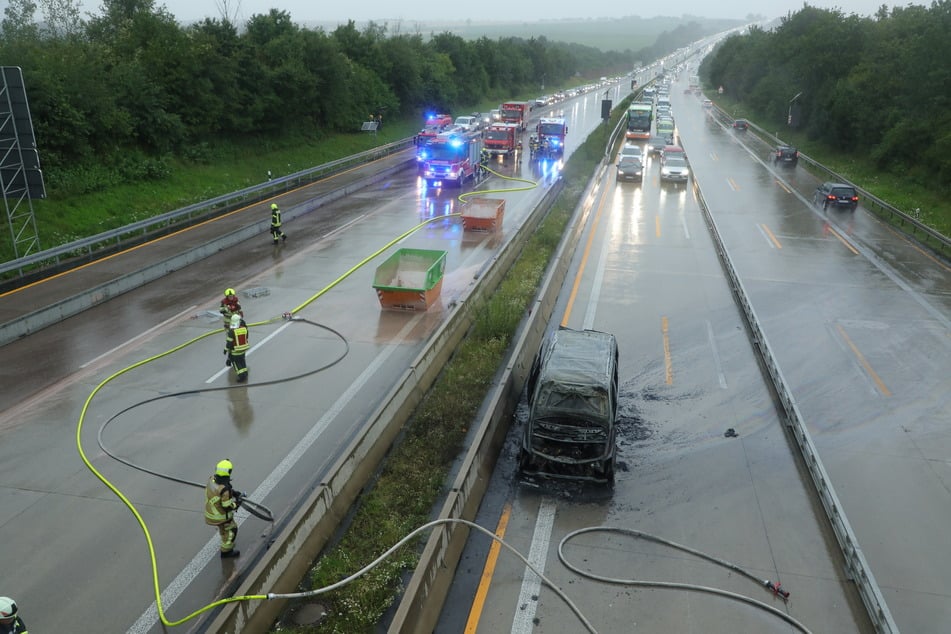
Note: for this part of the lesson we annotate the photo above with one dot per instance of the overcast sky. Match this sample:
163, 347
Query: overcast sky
424, 11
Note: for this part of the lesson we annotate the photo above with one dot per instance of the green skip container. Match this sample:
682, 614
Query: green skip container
410, 279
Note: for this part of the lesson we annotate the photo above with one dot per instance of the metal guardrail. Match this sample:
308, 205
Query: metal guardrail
857, 566
924, 234
226, 202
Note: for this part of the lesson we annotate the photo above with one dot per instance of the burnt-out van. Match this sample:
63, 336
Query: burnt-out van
572, 397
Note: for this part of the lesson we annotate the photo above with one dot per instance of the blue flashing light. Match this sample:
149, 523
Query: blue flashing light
454, 142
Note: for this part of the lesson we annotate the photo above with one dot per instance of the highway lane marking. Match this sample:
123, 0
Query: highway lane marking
250, 351
668, 362
528, 597
716, 355
139, 336
917, 248
209, 551
683, 223
478, 603
657, 226
843, 241
584, 259
770, 237
783, 185
733, 184
864, 363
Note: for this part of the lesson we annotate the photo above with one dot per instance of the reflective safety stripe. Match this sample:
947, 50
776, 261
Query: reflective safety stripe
241, 343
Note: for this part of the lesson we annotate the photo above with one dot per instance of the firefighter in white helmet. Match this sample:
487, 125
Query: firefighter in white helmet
10, 622
236, 346
221, 501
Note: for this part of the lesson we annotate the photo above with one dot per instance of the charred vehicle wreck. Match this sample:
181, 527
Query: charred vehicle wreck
572, 398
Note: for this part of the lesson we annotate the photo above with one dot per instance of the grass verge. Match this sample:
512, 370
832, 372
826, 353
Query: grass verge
413, 477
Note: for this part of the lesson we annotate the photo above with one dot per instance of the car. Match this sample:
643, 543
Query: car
836, 195
469, 122
706, 103
674, 170
655, 144
672, 151
631, 150
785, 155
496, 114
741, 125
630, 168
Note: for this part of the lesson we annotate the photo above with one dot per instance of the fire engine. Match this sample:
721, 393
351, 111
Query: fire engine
502, 138
516, 112
435, 123
452, 157
551, 133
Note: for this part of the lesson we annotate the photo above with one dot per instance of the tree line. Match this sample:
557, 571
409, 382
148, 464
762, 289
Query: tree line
877, 85
114, 96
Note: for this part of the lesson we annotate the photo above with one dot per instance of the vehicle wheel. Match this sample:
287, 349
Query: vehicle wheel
852, 207
609, 471
524, 460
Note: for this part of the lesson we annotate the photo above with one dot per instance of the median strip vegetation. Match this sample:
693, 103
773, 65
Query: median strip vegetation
414, 475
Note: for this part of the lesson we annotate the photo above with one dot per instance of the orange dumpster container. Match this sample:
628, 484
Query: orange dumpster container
410, 279
483, 214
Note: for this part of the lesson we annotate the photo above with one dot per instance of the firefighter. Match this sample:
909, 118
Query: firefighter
276, 232
236, 346
532, 146
10, 623
230, 306
221, 501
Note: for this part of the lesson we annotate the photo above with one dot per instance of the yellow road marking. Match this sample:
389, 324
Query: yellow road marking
770, 235
668, 363
657, 225
584, 260
843, 241
733, 184
783, 185
180, 231
865, 364
475, 613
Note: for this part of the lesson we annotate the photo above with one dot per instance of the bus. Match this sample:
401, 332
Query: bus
639, 117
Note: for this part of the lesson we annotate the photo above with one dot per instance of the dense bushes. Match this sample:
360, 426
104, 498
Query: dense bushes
878, 86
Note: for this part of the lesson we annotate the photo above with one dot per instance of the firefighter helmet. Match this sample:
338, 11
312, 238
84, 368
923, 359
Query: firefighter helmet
224, 468
235, 321
229, 292
274, 207
8, 608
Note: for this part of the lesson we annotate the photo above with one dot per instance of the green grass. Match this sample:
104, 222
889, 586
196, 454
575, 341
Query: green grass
929, 206
413, 477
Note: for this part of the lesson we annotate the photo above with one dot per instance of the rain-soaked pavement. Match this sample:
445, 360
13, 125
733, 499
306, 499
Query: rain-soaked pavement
858, 318
861, 334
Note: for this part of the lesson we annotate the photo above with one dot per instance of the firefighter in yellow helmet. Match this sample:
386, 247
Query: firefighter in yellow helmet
230, 306
276, 232
221, 501
236, 347
10, 622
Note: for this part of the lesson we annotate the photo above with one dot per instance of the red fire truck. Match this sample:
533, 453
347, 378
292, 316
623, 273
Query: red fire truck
452, 158
516, 112
502, 138
435, 123
551, 132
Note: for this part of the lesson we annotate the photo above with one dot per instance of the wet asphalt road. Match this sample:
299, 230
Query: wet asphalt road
844, 324
70, 538
858, 318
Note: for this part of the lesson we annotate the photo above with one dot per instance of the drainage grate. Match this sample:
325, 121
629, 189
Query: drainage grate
257, 291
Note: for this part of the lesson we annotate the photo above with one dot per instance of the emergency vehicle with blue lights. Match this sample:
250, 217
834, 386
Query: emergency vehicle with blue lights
451, 158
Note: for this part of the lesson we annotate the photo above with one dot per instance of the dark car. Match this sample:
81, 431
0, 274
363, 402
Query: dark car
630, 168
836, 195
785, 155
655, 145
741, 125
